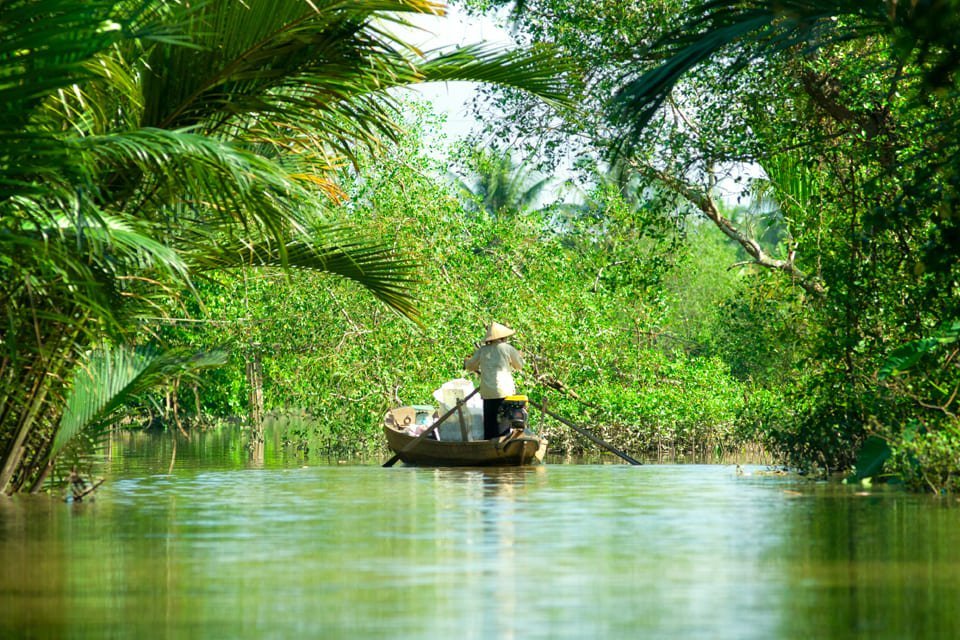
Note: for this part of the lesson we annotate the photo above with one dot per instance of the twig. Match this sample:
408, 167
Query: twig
79, 487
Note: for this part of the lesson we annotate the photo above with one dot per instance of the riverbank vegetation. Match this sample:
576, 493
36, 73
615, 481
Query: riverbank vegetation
588, 294
847, 113
150, 146
759, 248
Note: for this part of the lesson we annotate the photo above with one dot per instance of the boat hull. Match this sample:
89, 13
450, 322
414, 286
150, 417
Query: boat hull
506, 451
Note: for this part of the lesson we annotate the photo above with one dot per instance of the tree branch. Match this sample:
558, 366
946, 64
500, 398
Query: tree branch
702, 200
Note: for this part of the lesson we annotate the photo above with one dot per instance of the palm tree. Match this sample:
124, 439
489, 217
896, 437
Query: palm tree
146, 142
499, 186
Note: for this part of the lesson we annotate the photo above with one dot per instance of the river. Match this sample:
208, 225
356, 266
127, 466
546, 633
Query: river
217, 547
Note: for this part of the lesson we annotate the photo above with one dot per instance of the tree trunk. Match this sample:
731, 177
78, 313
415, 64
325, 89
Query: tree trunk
255, 380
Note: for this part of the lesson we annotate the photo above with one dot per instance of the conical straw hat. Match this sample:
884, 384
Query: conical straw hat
497, 331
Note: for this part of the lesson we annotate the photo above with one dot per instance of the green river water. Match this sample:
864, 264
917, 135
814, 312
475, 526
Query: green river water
218, 547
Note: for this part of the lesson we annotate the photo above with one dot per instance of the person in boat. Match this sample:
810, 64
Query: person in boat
495, 360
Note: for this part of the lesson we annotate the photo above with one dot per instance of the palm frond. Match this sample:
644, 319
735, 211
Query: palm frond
790, 183
499, 185
539, 71
373, 264
71, 271
49, 45
112, 376
70, 34
184, 180
534, 191
746, 29
222, 183
284, 62
271, 57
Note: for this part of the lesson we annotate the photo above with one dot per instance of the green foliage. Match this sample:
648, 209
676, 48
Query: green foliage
907, 356
586, 302
154, 160
819, 426
924, 444
851, 110
762, 408
149, 144
498, 186
108, 378
667, 404
928, 460
871, 457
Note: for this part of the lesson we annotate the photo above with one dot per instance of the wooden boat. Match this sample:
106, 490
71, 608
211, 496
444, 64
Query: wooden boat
515, 449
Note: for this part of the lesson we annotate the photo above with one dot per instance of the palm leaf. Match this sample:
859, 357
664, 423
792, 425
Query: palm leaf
112, 376
790, 183
539, 71
744, 29
48, 45
222, 182
70, 33
373, 264
272, 57
322, 67
499, 185
100, 266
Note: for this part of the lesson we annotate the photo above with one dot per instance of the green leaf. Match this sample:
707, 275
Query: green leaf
112, 376
908, 355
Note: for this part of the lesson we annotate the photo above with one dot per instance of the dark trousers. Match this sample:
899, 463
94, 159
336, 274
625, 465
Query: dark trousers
491, 424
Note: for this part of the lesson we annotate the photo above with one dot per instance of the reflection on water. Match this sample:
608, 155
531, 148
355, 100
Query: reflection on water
222, 549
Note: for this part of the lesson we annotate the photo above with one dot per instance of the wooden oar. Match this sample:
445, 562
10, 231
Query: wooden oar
410, 445
586, 434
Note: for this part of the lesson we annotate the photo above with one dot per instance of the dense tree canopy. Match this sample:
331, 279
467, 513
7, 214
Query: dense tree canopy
849, 112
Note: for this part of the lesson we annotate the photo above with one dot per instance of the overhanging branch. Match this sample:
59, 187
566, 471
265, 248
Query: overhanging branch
706, 205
